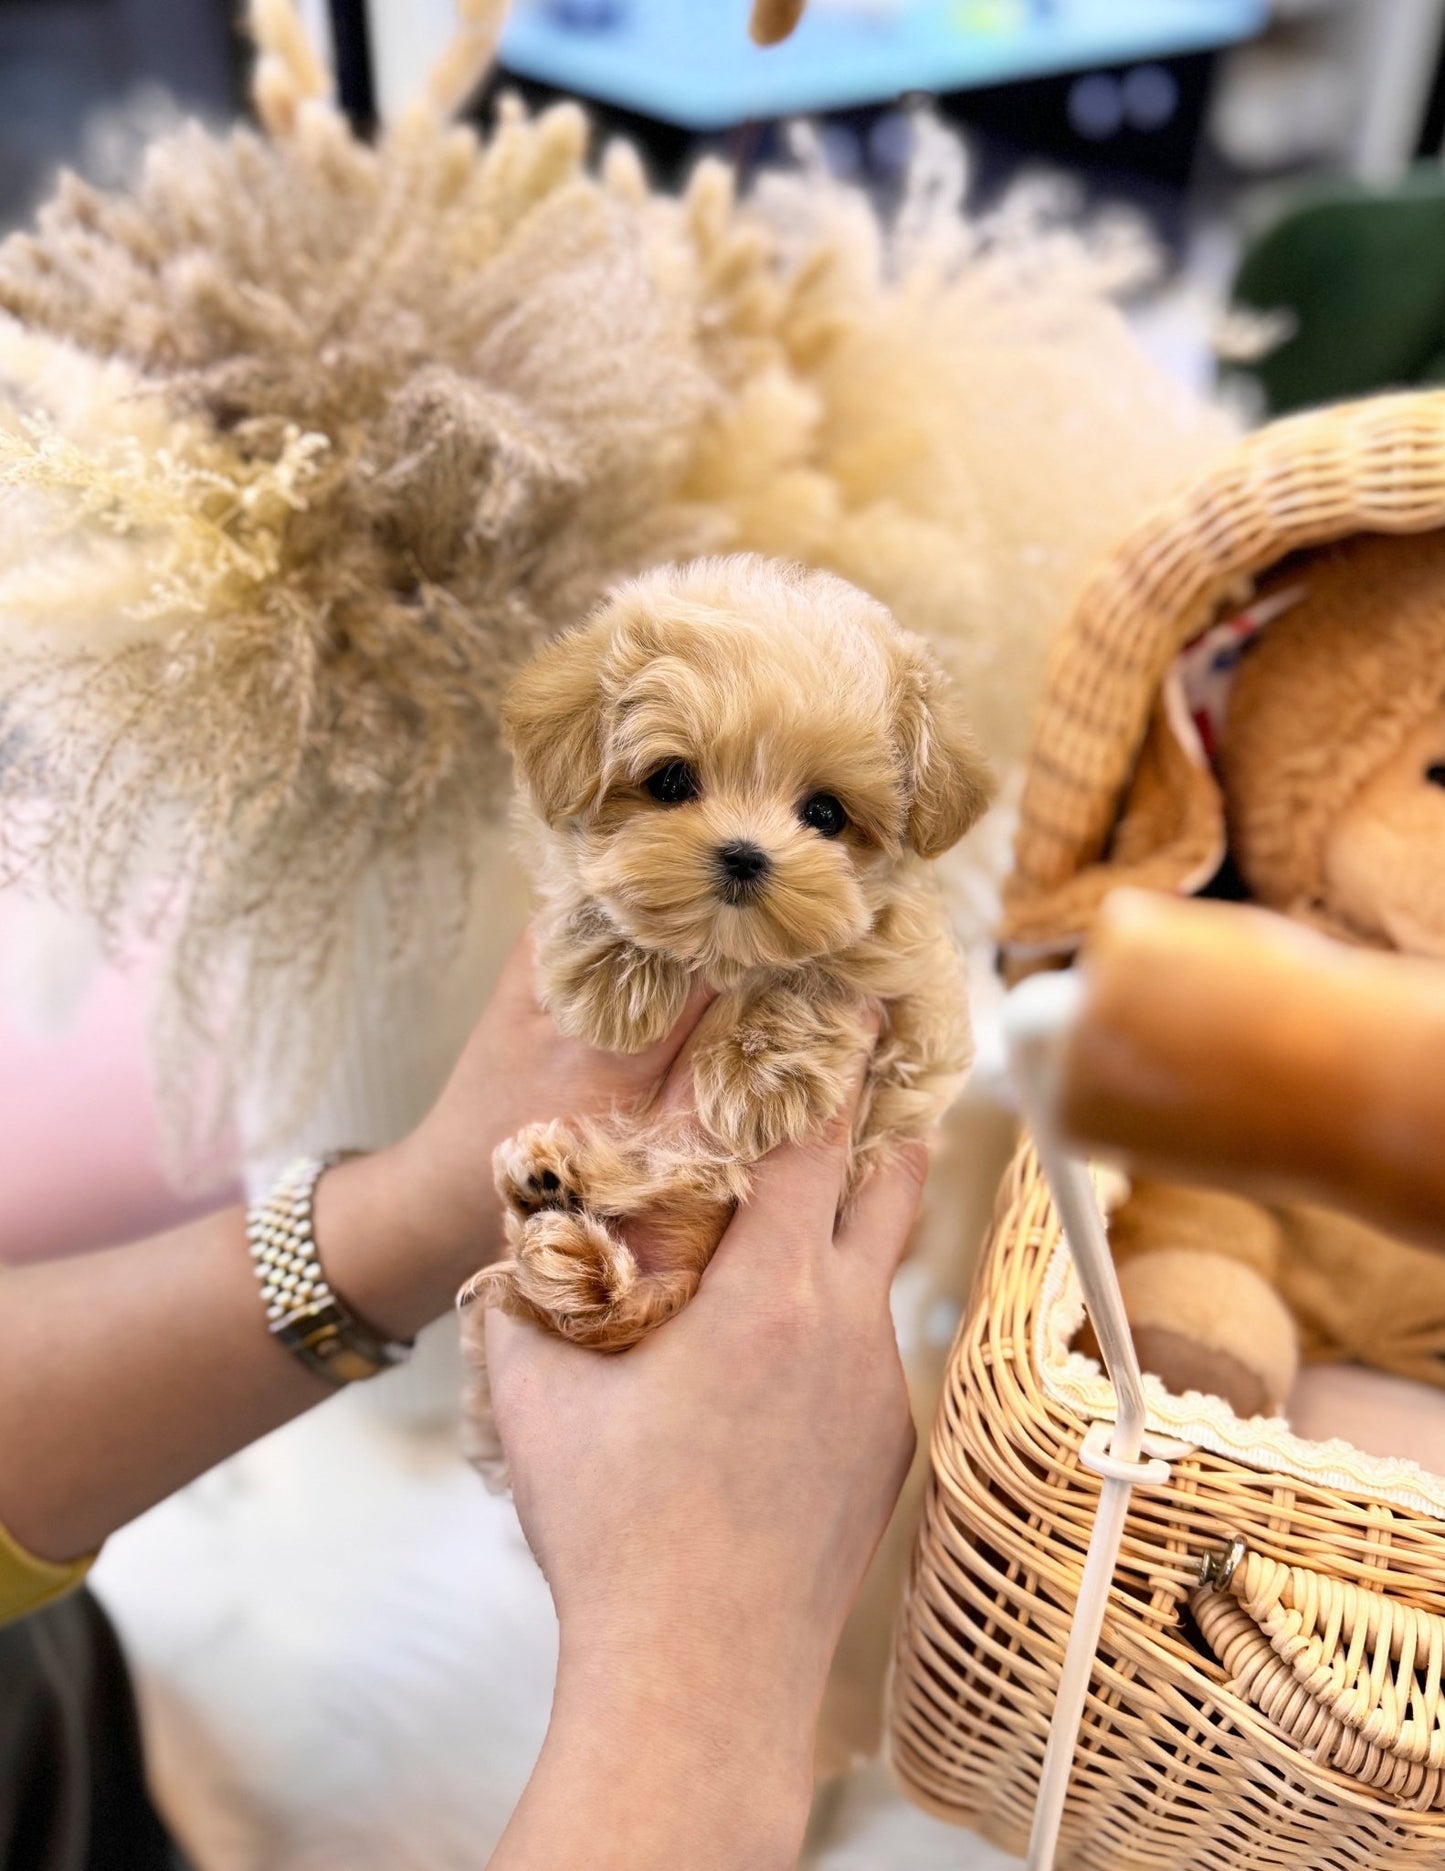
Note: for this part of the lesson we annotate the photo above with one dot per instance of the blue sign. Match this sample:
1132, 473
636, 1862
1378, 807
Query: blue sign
690, 62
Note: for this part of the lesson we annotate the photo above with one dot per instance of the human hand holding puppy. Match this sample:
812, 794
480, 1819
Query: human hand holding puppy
126, 1373
516, 1069
732, 775
704, 1508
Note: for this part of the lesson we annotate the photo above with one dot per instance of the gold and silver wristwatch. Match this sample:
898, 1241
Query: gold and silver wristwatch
302, 1312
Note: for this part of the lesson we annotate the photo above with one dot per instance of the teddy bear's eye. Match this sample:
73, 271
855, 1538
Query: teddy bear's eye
1435, 773
824, 814
673, 785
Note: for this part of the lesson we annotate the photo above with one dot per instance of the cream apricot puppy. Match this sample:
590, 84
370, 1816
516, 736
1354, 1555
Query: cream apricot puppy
733, 772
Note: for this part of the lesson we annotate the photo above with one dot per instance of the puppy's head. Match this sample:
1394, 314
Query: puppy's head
740, 752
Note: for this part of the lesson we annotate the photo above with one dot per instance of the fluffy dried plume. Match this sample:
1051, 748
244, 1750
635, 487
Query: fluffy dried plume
305, 444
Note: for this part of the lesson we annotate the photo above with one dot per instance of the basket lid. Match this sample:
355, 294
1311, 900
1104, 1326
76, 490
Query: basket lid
1114, 793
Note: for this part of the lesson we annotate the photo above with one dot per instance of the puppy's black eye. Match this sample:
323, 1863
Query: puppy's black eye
824, 813
673, 785
1435, 773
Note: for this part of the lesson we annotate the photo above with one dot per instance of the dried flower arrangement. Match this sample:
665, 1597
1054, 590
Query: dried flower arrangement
305, 442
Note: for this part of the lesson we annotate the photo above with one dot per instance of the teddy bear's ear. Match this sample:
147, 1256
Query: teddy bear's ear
949, 780
550, 720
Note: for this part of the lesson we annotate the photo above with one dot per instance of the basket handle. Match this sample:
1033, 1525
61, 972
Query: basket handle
1038, 1017
1353, 1677
1228, 1045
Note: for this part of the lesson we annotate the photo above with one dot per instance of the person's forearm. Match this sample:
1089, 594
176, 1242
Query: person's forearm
125, 1374
662, 1761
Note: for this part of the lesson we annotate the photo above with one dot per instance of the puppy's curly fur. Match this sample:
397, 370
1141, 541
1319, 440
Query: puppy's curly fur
733, 772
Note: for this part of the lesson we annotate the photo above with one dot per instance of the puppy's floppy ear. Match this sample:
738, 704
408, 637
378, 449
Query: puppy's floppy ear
550, 722
948, 778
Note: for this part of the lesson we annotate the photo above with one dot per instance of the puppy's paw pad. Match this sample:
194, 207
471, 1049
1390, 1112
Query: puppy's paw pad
546, 1189
537, 1170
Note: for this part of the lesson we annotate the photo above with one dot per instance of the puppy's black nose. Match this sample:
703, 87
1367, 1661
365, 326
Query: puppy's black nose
743, 866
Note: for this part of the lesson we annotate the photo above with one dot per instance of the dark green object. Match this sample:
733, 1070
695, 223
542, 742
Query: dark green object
1361, 272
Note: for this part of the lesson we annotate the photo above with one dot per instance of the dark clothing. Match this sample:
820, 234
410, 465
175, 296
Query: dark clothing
72, 1787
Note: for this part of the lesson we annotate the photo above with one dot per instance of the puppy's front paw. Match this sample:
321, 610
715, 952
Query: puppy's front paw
574, 1275
577, 1279
777, 1075
619, 998
538, 1169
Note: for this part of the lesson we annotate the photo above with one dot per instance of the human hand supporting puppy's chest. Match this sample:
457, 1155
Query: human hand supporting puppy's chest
733, 774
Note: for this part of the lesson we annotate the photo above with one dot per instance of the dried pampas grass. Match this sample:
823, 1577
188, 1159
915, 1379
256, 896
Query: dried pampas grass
304, 444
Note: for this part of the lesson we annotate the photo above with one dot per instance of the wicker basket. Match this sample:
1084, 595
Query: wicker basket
1292, 1714
1376, 466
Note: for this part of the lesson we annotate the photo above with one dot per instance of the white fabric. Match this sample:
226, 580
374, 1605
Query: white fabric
1268, 1443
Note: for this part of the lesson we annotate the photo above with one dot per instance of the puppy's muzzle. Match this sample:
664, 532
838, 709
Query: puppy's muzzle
742, 871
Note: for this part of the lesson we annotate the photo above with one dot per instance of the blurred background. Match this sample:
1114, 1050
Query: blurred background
1286, 156
1188, 107
1192, 109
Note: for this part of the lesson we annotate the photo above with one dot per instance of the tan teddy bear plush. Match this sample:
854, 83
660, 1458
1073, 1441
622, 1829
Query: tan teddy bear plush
1332, 764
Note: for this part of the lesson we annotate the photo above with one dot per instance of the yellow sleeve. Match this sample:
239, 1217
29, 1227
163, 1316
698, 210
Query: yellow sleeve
27, 1583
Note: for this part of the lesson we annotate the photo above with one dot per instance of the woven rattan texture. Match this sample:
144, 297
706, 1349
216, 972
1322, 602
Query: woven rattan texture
1352, 1676
1175, 1770
1373, 466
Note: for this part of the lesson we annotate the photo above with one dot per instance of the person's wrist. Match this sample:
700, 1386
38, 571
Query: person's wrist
393, 1242
739, 1667
446, 1185
738, 1733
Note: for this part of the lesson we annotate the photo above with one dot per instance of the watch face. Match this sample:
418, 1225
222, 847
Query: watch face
345, 1366
320, 1336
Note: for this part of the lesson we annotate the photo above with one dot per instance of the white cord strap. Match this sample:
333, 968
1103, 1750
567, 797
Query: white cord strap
1037, 1018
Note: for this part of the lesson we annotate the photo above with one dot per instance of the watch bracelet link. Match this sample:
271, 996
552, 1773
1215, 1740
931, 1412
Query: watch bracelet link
302, 1312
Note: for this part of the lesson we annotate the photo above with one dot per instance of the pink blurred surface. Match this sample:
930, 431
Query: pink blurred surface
80, 1162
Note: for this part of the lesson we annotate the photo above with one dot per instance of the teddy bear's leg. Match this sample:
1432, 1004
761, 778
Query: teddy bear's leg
577, 1278
481, 1444
1206, 1322
568, 1275
773, 1066
603, 989
1197, 1270
539, 1168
